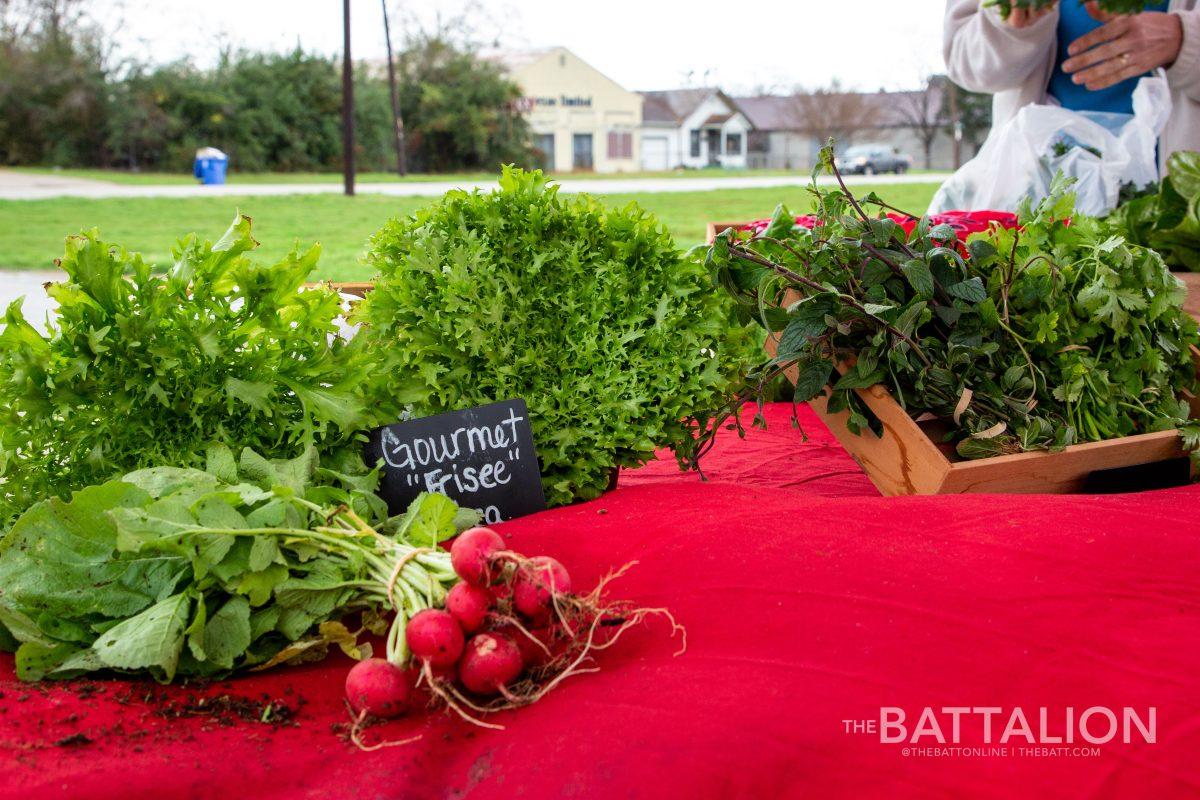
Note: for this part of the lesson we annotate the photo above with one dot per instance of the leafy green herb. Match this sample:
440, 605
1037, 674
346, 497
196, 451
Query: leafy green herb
177, 571
1036, 338
1005, 7
149, 368
1169, 220
615, 339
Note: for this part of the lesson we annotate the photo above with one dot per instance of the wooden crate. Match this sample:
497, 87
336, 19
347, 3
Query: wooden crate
358, 289
909, 457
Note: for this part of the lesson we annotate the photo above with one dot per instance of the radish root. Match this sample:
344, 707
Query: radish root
444, 690
359, 724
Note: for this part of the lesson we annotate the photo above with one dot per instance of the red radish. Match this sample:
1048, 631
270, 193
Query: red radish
434, 636
535, 651
378, 687
491, 661
502, 591
538, 581
471, 554
469, 605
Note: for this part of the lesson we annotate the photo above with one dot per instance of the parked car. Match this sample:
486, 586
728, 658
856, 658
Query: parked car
869, 159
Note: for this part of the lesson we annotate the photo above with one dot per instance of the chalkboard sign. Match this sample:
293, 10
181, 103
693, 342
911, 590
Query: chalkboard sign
482, 458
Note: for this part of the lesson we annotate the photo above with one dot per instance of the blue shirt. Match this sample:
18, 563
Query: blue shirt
1073, 22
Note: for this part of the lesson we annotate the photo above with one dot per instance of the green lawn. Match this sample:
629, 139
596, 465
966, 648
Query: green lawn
31, 231
178, 178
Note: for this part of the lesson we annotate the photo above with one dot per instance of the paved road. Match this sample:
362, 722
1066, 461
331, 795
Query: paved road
25, 186
16, 184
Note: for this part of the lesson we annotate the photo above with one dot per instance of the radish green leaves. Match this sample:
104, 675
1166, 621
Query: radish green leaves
176, 571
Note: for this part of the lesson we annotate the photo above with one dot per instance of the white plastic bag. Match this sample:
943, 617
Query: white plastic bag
1101, 151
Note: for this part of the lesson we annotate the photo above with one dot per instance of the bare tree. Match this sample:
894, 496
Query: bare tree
924, 111
832, 113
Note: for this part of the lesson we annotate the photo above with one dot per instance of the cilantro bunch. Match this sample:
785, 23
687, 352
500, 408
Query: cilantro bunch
183, 572
146, 368
1039, 337
617, 341
1167, 220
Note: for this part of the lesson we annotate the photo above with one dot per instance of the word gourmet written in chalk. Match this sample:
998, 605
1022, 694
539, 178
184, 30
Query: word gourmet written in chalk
483, 458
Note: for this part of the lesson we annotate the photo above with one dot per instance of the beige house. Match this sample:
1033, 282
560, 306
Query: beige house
581, 119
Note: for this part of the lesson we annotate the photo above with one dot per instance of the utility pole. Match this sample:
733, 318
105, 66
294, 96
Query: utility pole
957, 131
347, 103
397, 120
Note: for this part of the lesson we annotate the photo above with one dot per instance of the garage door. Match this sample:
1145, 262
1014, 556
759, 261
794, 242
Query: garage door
654, 152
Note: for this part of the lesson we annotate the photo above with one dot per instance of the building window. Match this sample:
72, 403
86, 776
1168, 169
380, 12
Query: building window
581, 149
695, 144
733, 144
620, 144
758, 141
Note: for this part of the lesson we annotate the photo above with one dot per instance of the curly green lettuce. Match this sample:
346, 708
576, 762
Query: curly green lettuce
145, 367
618, 341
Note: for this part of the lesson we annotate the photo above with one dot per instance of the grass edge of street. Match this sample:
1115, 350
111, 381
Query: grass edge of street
32, 231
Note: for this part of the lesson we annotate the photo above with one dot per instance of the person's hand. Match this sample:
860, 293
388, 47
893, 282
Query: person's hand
1021, 17
1124, 47
1097, 13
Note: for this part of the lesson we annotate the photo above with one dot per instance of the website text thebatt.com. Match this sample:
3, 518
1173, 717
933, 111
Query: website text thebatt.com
993, 731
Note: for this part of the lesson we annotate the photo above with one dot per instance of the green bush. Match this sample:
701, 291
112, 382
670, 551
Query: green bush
65, 101
617, 341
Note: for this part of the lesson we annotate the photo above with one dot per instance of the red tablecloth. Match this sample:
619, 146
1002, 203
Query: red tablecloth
808, 601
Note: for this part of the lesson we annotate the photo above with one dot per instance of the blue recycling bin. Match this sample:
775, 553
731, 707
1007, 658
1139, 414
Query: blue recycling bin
210, 166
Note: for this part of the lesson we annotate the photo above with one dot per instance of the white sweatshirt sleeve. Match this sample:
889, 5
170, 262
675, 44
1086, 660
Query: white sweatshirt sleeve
985, 54
1184, 75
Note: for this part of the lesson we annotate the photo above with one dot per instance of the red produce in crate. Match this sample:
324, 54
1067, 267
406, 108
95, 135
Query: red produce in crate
964, 223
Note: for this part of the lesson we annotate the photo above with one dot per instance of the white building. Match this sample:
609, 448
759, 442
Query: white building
581, 119
692, 128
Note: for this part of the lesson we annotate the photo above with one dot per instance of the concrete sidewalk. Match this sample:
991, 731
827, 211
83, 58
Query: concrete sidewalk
26, 186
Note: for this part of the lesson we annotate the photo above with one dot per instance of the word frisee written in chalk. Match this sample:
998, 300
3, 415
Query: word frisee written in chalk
426, 458
483, 457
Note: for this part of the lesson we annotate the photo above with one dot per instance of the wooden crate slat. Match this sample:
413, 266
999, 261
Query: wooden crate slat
1061, 472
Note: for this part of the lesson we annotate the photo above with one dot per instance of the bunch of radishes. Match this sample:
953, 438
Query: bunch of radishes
510, 631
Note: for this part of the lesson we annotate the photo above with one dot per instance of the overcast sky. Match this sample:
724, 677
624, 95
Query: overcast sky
642, 44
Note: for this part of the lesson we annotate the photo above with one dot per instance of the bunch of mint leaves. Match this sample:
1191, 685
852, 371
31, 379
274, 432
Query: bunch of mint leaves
1169, 219
144, 367
1040, 337
616, 339
184, 572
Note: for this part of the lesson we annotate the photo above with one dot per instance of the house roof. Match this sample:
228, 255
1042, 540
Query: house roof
655, 108
675, 105
512, 60
771, 112
783, 113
